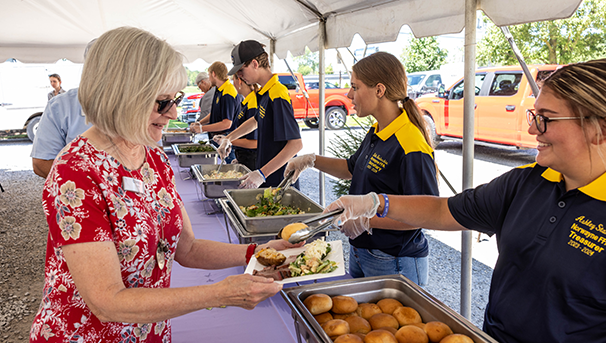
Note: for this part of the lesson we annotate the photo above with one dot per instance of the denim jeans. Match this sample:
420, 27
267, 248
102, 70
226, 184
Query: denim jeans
374, 262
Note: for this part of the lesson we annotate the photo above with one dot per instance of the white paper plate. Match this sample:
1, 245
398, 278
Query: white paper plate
336, 254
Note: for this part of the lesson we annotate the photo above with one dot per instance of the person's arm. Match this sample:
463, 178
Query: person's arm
426, 211
244, 129
291, 148
245, 143
223, 125
42, 167
336, 167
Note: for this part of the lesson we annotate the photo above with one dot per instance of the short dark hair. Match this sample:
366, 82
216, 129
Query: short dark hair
56, 76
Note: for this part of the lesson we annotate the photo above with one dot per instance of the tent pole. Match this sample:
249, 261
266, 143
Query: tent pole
516, 51
321, 101
471, 7
272, 51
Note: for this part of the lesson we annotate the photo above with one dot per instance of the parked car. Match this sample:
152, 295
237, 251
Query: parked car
423, 82
190, 108
316, 85
503, 95
337, 105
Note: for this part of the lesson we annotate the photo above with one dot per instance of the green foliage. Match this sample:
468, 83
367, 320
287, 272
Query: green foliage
304, 69
191, 76
329, 69
309, 63
346, 145
423, 54
579, 38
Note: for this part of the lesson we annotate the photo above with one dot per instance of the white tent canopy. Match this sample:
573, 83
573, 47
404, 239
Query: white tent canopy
45, 31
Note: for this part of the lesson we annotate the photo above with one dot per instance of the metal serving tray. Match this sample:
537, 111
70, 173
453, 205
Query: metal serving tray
373, 289
245, 237
172, 136
292, 197
188, 159
213, 188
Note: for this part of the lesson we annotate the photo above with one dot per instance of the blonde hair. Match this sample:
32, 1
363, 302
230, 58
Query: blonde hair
262, 60
124, 73
583, 87
386, 69
219, 69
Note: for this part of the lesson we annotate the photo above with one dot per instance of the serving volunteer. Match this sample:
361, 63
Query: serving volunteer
395, 157
278, 133
116, 221
549, 280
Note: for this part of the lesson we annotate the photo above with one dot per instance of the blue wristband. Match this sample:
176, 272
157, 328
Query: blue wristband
385, 207
264, 178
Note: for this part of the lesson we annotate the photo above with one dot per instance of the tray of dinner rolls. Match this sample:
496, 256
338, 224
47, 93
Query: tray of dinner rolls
376, 309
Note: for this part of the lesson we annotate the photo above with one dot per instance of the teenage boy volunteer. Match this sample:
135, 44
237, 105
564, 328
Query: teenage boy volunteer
279, 138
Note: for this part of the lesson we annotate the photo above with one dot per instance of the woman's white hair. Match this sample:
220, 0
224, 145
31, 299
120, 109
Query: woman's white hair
124, 73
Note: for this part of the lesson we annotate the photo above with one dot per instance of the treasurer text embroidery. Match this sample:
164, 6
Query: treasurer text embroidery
587, 236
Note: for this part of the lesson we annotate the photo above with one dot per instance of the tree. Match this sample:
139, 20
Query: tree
423, 54
309, 63
579, 38
191, 76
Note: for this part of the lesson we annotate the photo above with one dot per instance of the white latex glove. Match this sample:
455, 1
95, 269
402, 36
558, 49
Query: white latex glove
234, 161
218, 138
355, 227
354, 206
224, 148
299, 164
252, 180
195, 127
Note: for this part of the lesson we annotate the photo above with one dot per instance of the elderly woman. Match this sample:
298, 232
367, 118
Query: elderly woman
549, 281
116, 222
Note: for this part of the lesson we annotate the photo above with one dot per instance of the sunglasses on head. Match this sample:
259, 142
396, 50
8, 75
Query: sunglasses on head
165, 105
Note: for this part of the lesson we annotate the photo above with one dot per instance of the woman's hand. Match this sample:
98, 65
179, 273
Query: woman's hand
280, 244
354, 206
246, 291
299, 164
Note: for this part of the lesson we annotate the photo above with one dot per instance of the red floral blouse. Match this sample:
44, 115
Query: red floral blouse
85, 201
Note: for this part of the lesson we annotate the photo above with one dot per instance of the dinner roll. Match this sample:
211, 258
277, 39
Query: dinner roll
390, 329
361, 335
380, 336
380, 320
388, 305
367, 310
437, 330
407, 315
323, 317
335, 327
343, 304
456, 338
349, 338
318, 303
358, 324
411, 334
344, 315
289, 229
419, 325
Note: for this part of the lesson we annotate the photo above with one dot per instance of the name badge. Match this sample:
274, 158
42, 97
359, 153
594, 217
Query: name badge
133, 185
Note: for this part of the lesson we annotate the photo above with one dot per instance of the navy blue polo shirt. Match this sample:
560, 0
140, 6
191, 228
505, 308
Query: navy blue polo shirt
276, 125
396, 160
549, 283
224, 105
246, 109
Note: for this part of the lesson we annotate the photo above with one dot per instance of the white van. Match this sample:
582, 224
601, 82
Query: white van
23, 96
422, 82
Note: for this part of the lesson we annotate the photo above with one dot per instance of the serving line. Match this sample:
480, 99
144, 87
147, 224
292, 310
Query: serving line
270, 321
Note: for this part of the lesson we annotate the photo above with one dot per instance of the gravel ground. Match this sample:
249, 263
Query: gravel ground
23, 234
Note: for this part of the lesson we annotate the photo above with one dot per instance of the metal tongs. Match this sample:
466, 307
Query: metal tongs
284, 185
310, 231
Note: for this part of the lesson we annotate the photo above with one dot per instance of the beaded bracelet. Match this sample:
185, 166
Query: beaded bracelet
250, 251
385, 207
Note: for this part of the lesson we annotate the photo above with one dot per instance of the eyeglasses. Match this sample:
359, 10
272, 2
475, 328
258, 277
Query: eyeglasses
541, 121
165, 105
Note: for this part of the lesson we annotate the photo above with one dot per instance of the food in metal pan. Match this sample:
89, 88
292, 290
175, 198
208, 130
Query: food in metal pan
197, 148
270, 257
230, 174
267, 206
403, 324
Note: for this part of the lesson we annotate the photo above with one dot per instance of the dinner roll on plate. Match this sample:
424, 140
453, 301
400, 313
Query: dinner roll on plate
437, 330
411, 334
407, 315
318, 303
289, 229
388, 305
343, 304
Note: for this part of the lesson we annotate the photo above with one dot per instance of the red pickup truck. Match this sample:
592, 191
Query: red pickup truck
338, 106
503, 95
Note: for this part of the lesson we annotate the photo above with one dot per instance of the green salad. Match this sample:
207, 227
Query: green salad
268, 206
311, 261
